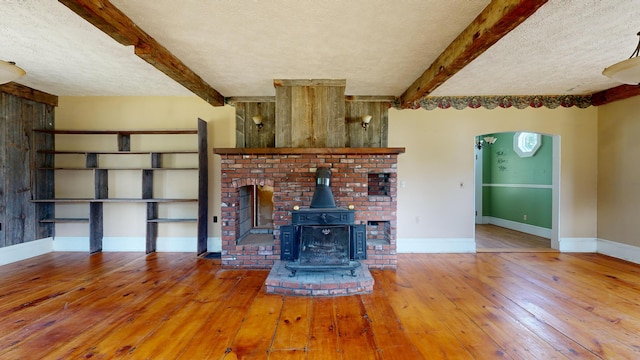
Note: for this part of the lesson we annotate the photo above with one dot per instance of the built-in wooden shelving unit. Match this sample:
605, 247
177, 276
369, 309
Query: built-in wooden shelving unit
100, 176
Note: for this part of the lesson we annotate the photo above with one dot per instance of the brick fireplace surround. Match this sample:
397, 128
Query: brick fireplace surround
363, 177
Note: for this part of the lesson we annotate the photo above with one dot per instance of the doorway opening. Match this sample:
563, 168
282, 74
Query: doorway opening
516, 192
256, 215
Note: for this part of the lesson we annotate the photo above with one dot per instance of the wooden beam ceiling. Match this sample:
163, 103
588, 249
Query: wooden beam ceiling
28, 93
614, 94
494, 22
113, 22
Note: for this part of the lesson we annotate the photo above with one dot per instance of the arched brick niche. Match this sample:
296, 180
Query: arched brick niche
358, 175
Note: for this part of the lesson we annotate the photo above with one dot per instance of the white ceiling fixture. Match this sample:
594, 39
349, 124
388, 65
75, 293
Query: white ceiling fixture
9, 72
627, 71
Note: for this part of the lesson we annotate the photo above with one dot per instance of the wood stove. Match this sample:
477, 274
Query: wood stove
323, 237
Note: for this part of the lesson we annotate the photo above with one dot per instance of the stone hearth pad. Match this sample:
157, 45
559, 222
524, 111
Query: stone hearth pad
318, 283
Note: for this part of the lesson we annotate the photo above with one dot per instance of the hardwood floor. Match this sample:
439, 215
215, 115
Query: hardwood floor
492, 238
459, 306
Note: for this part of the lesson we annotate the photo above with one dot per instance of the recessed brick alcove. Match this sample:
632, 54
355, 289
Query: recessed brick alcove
290, 171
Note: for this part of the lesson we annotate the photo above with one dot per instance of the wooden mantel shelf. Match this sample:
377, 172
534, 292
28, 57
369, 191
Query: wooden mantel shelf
300, 151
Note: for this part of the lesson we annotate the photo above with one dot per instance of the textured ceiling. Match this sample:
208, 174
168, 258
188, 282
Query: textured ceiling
561, 49
65, 55
239, 47
380, 47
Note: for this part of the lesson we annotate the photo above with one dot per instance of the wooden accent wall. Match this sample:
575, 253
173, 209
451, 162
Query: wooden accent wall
310, 113
376, 134
20, 181
247, 134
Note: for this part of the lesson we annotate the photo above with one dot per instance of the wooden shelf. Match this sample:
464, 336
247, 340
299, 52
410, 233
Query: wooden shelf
111, 168
92, 159
65, 220
72, 152
63, 201
171, 220
113, 200
118, 132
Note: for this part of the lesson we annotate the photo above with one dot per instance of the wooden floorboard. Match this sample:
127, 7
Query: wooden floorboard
492, 238
434, 306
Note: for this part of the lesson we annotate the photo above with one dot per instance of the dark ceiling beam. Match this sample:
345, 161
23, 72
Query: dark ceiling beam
494, 22
614, 94
28, 93
113, 22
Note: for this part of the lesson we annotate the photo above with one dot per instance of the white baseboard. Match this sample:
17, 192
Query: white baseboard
115, 244
454, 245
13, 253
514, 225
71, 243
578, 245
619, 250
214, 244
177, 244
187, 244
31, 249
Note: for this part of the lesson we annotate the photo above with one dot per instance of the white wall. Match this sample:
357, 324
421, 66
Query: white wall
437, 202
619, 172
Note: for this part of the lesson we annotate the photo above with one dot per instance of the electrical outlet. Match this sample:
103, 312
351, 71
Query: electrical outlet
215, 219
524, 217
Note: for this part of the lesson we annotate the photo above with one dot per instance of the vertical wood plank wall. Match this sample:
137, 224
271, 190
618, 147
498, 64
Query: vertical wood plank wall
376, 135
310, 116
20, 179
344, 132
247, 133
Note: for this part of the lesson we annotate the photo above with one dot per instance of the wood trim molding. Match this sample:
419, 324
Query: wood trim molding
614, 94
309, 82
28, 93
364, 98
113, 22
494, 22
302, 151
232, 100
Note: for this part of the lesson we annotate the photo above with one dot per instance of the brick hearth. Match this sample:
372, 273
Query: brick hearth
363, 177
333, 283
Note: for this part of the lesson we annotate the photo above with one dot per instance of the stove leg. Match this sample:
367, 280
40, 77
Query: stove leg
293, 273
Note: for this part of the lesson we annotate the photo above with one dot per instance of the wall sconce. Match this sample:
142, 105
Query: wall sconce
366, 119
258, 121
488, 139
627, 71
9, 71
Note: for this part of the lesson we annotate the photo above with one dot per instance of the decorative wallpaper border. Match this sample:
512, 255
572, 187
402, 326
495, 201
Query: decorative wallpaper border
503, 101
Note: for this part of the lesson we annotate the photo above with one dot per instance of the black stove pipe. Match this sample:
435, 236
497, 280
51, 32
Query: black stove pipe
322, 196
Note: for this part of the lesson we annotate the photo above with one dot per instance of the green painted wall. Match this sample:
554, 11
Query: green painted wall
503, 170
